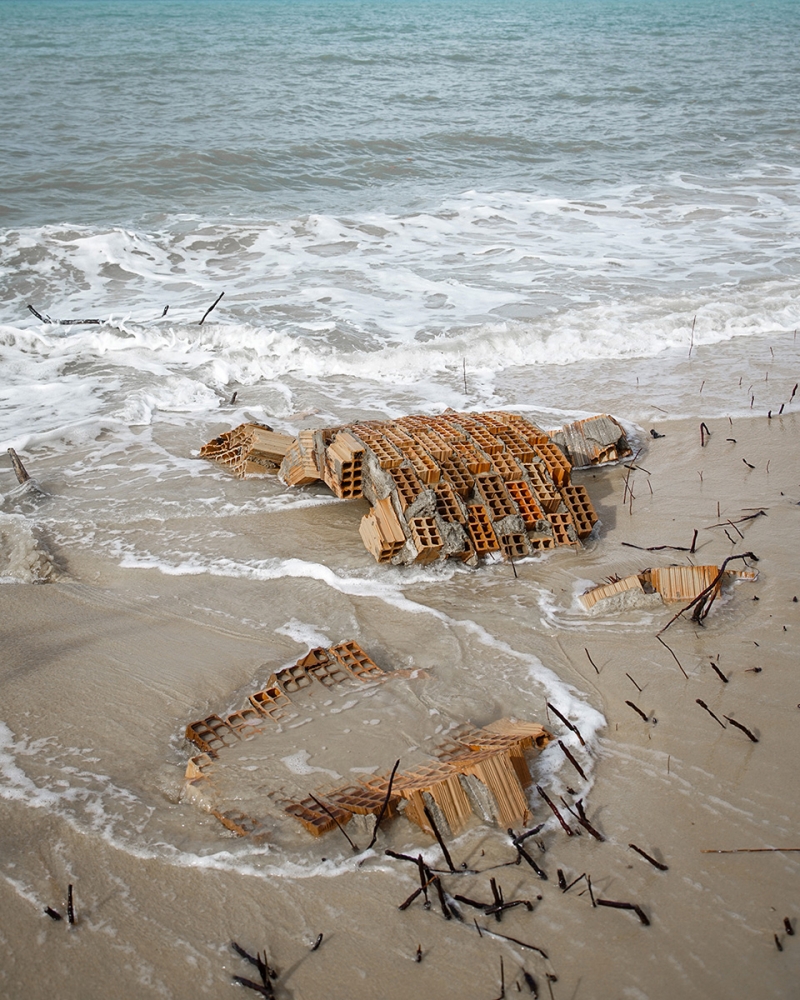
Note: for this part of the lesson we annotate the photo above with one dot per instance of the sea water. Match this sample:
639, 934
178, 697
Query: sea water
554, 207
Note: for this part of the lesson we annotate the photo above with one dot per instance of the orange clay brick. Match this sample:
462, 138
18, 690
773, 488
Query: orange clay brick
433, 444
353, 658
480, 530
272, 702
408, 485
426, 538
522, 496
542, 543
561, 523
456, 473
447, 506
292, 679
557, 465
315, 819
494, 495
546, 493
486, 440
580, 506
514, 545
472, 458
518, 446
388, 456
506, 467
424, 466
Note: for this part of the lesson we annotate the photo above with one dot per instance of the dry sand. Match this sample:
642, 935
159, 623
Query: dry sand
100, 671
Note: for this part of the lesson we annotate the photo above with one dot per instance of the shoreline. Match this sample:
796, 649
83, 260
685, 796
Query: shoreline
165, 646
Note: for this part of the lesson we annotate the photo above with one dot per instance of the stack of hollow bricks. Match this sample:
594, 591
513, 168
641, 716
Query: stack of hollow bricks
451, 486
473, 770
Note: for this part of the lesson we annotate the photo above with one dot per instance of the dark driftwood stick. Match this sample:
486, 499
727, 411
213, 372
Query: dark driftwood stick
530, 982
527, 858
424, 879
19, 468
400, 857
448, 914
704, 433
656, 548
626, 906
64, 322
70, 907
740, 520
407, 902
524, 836
212, 306
263, 967
265, 991
502, 981
591, 661
584, 822
418, 956
638, 710
634, 683
569, 832
474, 903
522, 853
384, 806
591, 894
572, 760
702, 704
694, 542
753, 850
788, 926
317, 943
744, 729
672, 654
778, 944
505, 937
575, 881
566, 722
702, 603
55, 915
435, 828
499, 907
325, 809
718, 672
646, 856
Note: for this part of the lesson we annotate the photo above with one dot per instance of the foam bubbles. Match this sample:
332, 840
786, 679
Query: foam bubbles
24, 557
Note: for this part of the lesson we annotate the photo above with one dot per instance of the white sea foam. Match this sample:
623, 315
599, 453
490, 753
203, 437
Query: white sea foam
24, 557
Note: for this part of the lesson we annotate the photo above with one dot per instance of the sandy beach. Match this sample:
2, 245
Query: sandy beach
104, 666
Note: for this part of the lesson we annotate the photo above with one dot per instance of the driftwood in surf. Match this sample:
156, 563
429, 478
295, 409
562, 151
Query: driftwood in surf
19, 469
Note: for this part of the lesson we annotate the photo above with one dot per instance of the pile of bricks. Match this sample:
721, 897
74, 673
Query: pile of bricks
458, 485
482, 772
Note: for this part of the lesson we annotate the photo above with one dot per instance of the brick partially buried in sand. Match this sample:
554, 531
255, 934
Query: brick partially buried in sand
669, 583
252, 773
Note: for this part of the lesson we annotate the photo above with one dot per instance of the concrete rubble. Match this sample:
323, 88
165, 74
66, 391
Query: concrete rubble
457, 773
457, 485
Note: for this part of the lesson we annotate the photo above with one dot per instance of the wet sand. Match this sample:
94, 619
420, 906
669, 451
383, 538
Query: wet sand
102, 669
